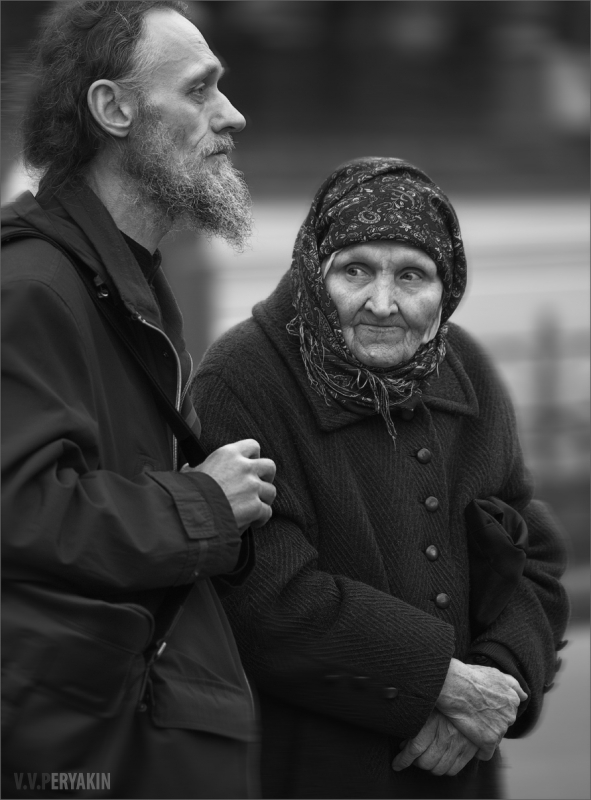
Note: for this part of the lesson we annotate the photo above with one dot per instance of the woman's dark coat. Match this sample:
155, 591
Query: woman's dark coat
338, 625
92, 503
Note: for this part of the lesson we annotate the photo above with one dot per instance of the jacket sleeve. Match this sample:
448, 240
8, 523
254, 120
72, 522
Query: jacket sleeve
524, 638
66, 519
326, 642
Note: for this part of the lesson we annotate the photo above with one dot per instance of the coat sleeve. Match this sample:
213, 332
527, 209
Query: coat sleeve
66, 519
322, 641
524, 638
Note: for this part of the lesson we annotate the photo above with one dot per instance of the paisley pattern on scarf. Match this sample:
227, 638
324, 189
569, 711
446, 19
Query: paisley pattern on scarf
366, 200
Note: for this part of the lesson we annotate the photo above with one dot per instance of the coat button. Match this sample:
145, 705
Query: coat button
432, 553
442, 600
165, 353
558, 664
424, 455
547, 687
407, 414
390, 692
431, 504
360, 681
562, 643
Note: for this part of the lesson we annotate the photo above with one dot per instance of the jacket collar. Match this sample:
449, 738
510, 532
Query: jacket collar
450, 391
78, 221
120, 265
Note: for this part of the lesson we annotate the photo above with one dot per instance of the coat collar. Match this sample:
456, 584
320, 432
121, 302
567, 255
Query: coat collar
450, 391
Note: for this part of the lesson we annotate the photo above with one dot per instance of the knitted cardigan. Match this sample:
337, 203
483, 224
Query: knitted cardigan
338, 626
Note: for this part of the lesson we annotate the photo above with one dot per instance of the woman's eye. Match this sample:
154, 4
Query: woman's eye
411, 275
355, 272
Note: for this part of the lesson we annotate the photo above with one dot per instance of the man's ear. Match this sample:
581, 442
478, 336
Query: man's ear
110, 110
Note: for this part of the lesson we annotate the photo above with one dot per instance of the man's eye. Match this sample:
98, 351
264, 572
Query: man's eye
198, 91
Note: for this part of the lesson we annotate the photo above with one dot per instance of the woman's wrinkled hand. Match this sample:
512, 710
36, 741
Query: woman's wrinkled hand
481, 702
439, 747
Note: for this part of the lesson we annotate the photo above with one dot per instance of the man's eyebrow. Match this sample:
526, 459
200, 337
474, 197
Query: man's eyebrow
202, 73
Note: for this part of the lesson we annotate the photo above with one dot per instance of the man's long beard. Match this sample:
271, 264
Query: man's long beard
206, 195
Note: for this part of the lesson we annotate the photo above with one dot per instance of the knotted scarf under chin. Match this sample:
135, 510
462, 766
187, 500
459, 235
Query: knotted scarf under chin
367, 200
360, 389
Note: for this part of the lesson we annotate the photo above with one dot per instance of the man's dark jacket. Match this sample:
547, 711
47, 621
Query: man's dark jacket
92, 500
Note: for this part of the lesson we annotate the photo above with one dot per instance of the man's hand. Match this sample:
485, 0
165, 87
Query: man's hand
438, 747
245, 478
481, 702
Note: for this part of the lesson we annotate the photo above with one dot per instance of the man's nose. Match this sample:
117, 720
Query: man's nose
227, 118
382, 300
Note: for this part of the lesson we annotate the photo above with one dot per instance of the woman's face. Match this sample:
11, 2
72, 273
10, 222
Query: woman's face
387, 295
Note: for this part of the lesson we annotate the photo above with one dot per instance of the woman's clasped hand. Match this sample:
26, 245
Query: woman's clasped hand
472, 714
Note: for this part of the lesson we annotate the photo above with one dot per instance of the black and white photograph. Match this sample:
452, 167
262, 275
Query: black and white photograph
295, 399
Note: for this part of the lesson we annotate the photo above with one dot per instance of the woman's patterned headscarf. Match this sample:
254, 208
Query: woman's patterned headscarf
366, 200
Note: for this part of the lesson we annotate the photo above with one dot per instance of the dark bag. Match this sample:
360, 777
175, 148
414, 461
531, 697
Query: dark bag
497, 549
76, 669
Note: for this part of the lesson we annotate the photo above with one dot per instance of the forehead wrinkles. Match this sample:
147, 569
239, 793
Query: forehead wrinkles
176, 45
379, 250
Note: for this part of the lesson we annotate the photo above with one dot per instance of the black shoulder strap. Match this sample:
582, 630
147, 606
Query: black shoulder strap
188, 441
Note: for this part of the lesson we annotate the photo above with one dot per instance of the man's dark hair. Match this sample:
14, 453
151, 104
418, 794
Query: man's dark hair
81, 42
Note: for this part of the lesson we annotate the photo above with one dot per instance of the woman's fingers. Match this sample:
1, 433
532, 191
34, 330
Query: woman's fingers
439, 748
458, 753
414, 748
482, 703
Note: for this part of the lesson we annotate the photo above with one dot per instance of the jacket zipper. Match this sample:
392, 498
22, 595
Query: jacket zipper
178, 399
180, 396
188, 383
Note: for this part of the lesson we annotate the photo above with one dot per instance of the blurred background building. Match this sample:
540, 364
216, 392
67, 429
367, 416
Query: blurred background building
492, 100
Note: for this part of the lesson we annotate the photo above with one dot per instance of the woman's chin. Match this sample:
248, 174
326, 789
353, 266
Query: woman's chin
380, 360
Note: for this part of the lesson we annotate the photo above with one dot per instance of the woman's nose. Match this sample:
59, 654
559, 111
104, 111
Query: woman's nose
382, 300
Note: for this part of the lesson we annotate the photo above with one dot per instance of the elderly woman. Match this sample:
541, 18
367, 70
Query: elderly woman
405, 609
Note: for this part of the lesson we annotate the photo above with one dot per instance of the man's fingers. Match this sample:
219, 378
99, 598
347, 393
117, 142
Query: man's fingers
265, 468
267, 493
264, 516
249, 448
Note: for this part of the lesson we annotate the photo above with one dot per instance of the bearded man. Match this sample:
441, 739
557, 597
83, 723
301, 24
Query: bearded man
107, 531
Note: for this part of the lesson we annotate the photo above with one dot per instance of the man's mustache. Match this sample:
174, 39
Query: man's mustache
221, 144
